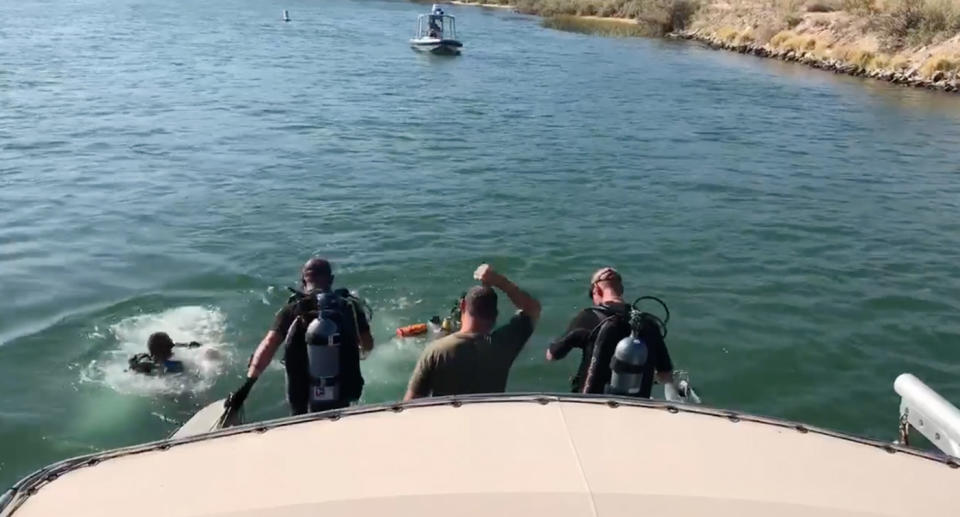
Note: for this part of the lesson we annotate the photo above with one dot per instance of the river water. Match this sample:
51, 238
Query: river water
169, 165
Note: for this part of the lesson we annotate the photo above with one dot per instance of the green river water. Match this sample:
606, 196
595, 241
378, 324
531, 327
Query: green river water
170, 165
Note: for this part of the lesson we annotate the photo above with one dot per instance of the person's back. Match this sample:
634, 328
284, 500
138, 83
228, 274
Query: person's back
322, 354
598, 329
324, 334
476, 360
464, 363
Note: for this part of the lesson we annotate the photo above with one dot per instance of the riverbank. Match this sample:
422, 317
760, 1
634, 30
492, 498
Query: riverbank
909, 42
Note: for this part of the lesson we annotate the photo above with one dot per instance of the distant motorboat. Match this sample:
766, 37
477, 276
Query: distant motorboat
436, 33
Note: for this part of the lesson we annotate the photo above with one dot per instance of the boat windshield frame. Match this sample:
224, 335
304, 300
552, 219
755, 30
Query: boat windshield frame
448, 26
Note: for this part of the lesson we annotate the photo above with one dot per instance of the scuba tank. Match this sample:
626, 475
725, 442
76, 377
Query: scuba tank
323, 350
630, 374
627, 366
451, 323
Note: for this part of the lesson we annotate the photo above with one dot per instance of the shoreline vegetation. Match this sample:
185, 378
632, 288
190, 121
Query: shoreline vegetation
909, 42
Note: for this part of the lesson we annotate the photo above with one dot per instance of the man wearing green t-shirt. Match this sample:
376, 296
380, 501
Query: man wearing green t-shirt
477, 359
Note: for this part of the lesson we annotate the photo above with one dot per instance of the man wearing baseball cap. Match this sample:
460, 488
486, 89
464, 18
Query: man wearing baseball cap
606, 293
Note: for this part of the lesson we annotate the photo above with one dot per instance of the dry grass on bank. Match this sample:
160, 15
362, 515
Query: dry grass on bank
902, 23
920, 38
864, 58
658, 16
936, 64
870, 34
898, 23
910, 22
599, 26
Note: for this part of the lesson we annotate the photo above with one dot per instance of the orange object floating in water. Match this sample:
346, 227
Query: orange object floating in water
412, 330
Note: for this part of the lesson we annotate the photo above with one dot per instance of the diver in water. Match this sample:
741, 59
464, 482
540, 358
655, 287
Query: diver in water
159, 359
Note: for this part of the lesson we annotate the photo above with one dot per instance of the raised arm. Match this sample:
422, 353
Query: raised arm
520, 298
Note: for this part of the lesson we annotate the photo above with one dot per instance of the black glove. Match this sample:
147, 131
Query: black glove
236, 399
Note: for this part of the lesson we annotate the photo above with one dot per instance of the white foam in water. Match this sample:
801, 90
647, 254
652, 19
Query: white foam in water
202, 365
391, 362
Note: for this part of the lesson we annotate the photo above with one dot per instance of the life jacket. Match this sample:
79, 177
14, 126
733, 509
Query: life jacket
321, 349
144, 363
602, 345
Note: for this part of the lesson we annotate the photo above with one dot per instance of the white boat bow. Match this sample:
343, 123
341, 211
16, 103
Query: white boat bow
539, 455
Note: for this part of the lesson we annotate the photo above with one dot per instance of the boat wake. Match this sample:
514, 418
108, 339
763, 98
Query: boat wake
202, 365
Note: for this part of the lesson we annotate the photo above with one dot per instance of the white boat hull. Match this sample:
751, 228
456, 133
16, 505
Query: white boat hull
437, 46
483, 455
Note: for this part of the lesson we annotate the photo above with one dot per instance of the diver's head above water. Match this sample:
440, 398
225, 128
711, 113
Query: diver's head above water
160, 346
159, 359
606, 285
478, 310
316, 274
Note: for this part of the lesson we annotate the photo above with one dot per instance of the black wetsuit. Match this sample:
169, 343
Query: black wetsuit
578, 335
144, 363
295, 357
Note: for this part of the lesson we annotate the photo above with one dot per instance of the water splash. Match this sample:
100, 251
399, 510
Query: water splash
202, 365
390, 364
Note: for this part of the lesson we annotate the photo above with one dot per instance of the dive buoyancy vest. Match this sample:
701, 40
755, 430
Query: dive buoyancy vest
141, 363
322, 347
144, 363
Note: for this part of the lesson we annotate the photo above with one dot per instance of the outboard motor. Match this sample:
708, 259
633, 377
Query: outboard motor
628, 366
323, 351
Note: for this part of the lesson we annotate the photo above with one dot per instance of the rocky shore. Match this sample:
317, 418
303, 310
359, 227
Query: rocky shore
939, 80
907, 42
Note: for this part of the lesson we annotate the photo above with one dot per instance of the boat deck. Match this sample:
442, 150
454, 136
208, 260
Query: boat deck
551, 455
